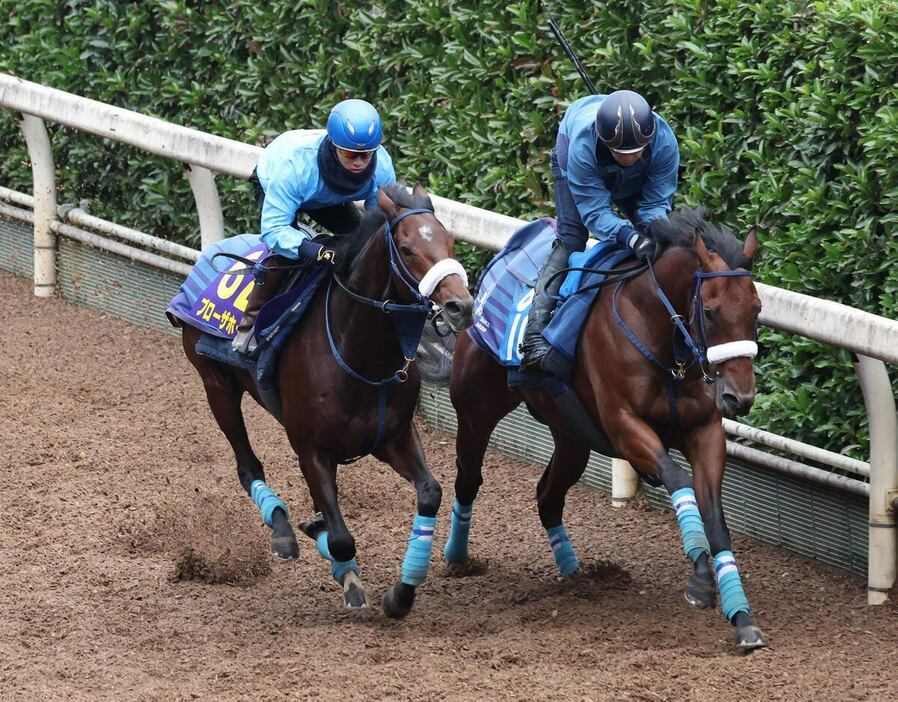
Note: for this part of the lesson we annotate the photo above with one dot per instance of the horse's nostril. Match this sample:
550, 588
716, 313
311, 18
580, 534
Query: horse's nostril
456, 308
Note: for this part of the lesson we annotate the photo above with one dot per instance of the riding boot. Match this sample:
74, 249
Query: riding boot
268, 283
534, 346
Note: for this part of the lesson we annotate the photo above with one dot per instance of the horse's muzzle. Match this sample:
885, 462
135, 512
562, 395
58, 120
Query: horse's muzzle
458, 313
733, 403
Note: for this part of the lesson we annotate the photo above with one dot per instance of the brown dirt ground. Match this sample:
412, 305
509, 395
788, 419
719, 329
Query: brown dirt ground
132, 565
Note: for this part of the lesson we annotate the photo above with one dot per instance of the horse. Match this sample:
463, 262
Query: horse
349, 386
644, 396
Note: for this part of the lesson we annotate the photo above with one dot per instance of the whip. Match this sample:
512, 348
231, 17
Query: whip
569, 52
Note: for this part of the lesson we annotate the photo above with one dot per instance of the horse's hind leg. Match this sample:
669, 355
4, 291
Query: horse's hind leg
481, 398
327, 529
567, 465
224, 392
406, 456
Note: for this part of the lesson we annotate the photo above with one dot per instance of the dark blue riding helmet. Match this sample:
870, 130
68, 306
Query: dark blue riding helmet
355, 125
624, 122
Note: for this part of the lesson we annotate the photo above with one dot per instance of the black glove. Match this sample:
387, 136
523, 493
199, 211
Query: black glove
317, 252
643, 247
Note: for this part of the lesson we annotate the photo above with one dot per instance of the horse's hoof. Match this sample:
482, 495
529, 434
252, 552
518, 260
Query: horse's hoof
353, 594
284, 548
398, 600
749, 638
699, 595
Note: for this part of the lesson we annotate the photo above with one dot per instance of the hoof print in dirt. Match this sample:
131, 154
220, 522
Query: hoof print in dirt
468, 568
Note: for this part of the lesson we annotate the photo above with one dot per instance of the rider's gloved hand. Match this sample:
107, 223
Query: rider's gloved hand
643, 246
317, 252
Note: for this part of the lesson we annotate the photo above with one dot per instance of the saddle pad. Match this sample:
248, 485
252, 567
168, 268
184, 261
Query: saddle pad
505, 290
214, 302
505, 293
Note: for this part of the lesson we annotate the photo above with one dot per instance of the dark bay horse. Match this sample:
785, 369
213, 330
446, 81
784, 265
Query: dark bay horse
348, 385
644, 400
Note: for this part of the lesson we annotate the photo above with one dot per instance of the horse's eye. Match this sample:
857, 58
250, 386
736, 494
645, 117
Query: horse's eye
710, 314
406, 250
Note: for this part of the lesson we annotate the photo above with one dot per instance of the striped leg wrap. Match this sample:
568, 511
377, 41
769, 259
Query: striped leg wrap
339, 569
266, 500
456, 548
565, 558
732, 596
417, 556
695, 543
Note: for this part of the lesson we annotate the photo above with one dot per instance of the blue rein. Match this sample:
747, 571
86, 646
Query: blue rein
697, 348
408, 320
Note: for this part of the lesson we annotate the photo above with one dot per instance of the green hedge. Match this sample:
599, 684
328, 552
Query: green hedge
787, 114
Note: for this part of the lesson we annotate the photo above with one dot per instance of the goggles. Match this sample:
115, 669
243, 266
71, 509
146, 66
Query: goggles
351, 155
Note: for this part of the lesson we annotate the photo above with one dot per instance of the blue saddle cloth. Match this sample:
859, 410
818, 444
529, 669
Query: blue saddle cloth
505, 293
213, 302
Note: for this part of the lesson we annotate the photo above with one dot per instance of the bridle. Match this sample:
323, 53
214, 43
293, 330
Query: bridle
689, 350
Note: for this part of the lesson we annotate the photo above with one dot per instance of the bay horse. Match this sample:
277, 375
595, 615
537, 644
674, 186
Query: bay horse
348, 383
630, 376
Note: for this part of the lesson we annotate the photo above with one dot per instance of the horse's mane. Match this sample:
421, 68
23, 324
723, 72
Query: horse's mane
349, 246
679, 230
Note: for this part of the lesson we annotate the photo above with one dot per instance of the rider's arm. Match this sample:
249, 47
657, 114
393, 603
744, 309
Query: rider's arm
661, 184
383, 175
284, 196
592, 197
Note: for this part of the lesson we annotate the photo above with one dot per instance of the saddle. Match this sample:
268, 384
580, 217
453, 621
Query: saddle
505, 293
213, 302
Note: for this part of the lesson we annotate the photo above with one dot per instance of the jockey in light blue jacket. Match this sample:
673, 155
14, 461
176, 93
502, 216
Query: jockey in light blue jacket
320, 173
615, 164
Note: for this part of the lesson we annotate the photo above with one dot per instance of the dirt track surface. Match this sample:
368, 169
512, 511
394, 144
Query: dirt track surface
133, 566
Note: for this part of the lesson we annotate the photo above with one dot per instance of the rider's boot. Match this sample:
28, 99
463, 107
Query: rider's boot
267, 285
533, 345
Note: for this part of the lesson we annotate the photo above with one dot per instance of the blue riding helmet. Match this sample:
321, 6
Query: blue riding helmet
355, 125
624, 122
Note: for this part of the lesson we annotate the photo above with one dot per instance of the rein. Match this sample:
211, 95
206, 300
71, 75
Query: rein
697, 350
408, 318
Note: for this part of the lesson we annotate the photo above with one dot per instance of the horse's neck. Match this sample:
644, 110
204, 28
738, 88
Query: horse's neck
361, 329
675, 273
650, 319
370, 275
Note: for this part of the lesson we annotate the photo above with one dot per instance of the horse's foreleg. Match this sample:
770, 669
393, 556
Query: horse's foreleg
639, 444
328, 530
565, 468
406, 456
705, 448
700, 591
224, 392
481, 398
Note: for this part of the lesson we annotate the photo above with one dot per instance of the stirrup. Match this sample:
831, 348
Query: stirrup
245, 342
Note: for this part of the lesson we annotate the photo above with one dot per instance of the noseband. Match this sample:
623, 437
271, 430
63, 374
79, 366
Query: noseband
689, 350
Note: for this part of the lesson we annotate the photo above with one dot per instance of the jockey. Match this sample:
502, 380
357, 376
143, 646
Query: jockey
321, 175
615, 166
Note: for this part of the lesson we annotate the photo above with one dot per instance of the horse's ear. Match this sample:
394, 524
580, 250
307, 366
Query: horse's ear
750, 248
419, 190
698, 245
386, 204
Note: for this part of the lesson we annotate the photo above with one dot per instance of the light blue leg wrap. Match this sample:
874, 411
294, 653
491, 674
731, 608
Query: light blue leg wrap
456, 548
417, 556
695, 543
265, 500
565, 558
732, 596
339, 569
